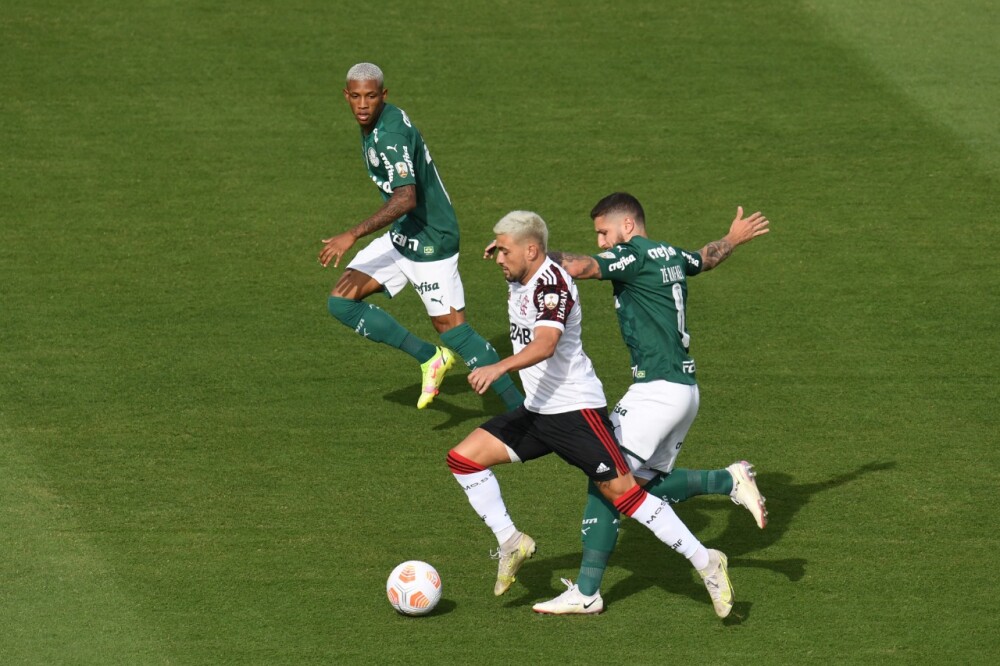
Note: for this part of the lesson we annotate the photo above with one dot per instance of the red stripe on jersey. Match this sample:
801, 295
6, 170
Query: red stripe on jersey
459, 464
607, 439
631, 500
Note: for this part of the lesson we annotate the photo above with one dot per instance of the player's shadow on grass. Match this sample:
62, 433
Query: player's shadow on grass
457, 414
647, 562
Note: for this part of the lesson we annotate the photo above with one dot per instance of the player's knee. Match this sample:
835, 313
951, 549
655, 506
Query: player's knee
459, 464
444, 323
345, 310
615, 488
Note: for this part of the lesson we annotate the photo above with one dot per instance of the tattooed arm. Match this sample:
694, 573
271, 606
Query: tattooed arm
741, 231
402, 201
579, 266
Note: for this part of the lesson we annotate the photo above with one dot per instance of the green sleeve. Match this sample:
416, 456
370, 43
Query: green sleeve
396, 151
692, 262
620, 263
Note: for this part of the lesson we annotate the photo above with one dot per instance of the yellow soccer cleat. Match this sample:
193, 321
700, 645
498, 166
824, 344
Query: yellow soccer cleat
433, 371
716, 578
510, 561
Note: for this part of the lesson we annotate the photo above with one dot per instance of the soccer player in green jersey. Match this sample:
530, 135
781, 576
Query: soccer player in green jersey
420, 247
649, 280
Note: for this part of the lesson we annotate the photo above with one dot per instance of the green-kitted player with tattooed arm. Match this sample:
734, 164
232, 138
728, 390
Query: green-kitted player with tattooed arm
652, 419
420, 247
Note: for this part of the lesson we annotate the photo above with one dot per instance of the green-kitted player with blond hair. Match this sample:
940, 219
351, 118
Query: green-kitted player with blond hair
420, 247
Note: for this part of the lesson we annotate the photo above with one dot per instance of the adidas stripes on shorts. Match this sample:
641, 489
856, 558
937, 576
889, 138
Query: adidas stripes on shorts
584, 438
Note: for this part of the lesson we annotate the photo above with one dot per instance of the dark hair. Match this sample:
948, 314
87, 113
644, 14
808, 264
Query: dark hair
622, 203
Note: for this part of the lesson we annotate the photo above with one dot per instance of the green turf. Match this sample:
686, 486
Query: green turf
198, 466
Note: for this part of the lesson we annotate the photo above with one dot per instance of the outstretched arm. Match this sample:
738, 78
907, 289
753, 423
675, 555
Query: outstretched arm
741, 231
402, 201
579, 266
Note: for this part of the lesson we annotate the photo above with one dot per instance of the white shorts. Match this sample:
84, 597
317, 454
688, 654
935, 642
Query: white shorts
437, 282
651, 421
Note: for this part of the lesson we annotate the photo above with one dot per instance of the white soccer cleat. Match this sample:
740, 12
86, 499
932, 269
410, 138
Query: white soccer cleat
716, 578
571, 602
745, 492
510, 561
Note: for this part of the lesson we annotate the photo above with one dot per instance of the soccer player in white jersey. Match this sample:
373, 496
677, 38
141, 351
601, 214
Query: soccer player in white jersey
649, 279
419, 248
564, 412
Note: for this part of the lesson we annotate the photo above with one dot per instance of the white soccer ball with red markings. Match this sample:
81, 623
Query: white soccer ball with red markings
414, 588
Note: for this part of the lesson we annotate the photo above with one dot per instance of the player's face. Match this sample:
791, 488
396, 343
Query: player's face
512, 257
610, 230
366, 99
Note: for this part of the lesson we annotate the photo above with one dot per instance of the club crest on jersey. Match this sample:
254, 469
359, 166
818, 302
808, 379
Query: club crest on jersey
373, 157
523, 305
402, 169
550, 301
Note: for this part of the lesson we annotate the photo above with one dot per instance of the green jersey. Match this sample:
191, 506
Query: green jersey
396, 155
650, 286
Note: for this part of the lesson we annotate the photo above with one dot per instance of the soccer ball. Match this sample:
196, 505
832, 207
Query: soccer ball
414, 588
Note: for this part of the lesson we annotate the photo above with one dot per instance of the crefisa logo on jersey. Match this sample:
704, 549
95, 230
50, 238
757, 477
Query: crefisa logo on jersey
622, 263
372, 157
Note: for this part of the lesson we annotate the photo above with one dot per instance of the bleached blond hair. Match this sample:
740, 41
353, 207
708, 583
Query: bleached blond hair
366, 71
523, 224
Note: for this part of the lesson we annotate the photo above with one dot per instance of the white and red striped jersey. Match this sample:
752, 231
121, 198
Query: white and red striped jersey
566, 381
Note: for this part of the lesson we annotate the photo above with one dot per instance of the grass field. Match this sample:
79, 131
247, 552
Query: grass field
199, 466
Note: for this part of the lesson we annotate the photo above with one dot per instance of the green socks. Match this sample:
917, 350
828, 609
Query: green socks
682, 484
376, 324
476, 352
600, 534
600, 518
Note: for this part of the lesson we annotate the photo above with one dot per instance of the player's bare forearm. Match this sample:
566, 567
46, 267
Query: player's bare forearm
715, 253
543, 346
579, 266
402, 201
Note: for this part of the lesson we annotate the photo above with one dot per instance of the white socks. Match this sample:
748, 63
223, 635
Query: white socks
659, 517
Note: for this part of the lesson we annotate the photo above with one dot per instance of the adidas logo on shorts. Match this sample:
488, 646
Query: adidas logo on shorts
602, 468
